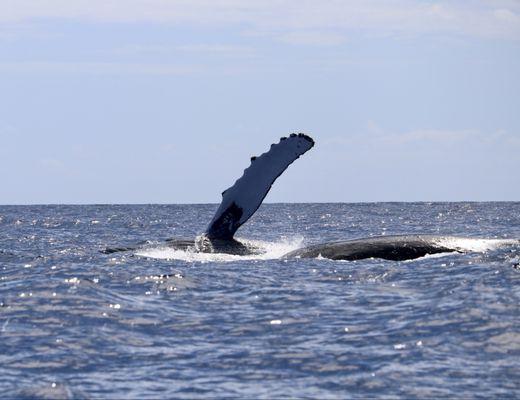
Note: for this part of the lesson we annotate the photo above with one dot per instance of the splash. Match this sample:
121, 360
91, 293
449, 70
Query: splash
475, 244
269, 251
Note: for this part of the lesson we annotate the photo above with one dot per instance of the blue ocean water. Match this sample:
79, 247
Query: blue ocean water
159, 323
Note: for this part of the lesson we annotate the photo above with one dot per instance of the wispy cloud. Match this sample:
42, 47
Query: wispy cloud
205, 48
98, 68
376, 137
314, 38
6, 129
431, 135
298, 21
52, 164
220, 49
454, 137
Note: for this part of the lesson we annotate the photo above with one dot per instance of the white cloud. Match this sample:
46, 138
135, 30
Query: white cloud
201, 11
297, 21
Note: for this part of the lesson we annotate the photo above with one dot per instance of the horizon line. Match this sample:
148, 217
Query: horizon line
265, 203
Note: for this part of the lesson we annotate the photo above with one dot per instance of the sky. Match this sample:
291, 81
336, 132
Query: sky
165, 101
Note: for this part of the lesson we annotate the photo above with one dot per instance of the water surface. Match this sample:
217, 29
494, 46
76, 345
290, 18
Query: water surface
78, 323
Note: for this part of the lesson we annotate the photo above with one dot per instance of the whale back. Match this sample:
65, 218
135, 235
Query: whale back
240, 201
396, 248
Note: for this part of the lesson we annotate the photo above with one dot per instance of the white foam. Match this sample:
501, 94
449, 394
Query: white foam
269, 251
475, 244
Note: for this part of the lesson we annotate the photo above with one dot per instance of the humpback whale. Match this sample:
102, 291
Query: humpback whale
242, 199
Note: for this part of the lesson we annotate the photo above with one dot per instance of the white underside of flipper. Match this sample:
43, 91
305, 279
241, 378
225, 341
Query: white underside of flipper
241, 200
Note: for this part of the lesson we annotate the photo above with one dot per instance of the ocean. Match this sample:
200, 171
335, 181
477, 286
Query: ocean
161, 323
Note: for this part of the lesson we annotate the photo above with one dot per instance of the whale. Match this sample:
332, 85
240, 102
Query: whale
391, 247
241, 200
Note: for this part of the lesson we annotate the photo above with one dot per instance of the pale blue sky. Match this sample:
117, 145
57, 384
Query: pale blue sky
157, 101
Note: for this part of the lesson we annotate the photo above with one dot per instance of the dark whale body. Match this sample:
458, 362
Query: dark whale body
397, 248
201, 244
242, 199
206, 245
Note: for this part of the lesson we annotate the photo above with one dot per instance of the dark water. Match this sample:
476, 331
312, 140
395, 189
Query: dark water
78, 323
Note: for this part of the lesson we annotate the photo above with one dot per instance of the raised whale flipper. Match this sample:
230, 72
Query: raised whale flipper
241, 200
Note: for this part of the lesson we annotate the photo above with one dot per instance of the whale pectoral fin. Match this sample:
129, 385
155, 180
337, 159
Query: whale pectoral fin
226, 224
241, 200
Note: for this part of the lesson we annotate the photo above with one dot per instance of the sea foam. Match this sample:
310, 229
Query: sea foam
268, 251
